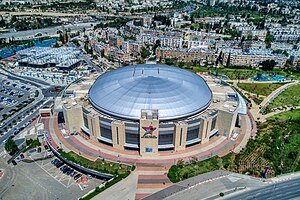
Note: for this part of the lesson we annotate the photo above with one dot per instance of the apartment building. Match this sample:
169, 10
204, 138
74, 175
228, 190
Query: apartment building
252, 59
146, 20
254, 44
134, 48
204, 44
186, 55
166, 41
115, 41
101, 48
119, 55
281, 46
255, 34
285, 34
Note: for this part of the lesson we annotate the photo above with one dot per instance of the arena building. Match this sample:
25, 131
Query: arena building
151, 108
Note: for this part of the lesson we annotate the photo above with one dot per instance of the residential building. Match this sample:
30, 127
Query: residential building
186, 55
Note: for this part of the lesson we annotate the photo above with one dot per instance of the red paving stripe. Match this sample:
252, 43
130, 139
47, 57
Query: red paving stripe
134, 160
152, 168
50, 139
140, 196
161, 161
154, 185
153, 177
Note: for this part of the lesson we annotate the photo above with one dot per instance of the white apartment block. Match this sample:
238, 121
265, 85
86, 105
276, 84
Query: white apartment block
166, 41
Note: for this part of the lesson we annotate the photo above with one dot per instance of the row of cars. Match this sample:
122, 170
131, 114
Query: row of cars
18, 130
23, 87
65, 169
7, 101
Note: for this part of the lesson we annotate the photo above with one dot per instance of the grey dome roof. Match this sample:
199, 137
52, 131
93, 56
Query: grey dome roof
175, 92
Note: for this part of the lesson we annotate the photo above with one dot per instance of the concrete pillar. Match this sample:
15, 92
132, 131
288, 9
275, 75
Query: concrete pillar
73, 118
226, 122
94, 126
118, 134
149, 126
180, 136
205, 126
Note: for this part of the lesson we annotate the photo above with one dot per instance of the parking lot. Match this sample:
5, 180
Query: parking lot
11, 92
41, 180
56, 173
14, 96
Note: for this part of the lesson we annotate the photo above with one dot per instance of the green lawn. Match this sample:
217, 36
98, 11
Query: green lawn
277, 145
182, 171
285, 116
100, 165
236, 73
232, 73
264, 89
288, 97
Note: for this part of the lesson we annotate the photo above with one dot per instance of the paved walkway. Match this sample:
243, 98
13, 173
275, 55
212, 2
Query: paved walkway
151, 180
275, 93
280, 111
256, 110
124, 190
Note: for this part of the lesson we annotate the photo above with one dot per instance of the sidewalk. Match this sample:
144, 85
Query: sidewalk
123, 190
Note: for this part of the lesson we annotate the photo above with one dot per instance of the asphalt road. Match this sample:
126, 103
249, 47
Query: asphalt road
89, 62
45, 31
48, 92
282, 190
18, 100
32, 81
25, 120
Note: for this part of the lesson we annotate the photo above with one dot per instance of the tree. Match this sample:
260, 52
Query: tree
228, 60
268, 39
145, 53
157, 44
11, 146
268, 65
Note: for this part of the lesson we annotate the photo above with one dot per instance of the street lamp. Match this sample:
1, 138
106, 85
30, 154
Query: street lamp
99, 153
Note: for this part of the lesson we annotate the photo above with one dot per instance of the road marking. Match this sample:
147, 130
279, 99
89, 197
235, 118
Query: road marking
49, 173
80, 187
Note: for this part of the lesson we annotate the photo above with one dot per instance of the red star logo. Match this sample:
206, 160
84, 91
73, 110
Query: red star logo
149, 130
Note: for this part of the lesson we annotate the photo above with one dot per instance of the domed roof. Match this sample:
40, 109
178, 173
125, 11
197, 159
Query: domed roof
175, 92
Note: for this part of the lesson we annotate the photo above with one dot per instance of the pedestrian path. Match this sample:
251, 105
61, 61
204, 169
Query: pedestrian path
151, 180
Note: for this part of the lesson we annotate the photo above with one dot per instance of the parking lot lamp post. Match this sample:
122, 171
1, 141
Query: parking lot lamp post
99, 153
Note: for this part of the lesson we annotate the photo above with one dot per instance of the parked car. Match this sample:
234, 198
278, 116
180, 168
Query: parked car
63, 167
69, 171
73, 174
49, 153
54, 161
77, 176
65, 170
14, 162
